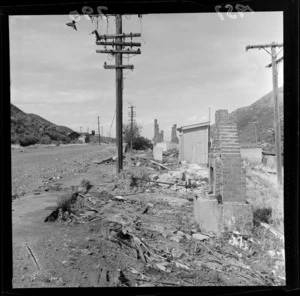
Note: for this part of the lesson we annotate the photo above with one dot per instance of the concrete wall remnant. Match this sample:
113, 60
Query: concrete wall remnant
158, 135
174, 138
158, 153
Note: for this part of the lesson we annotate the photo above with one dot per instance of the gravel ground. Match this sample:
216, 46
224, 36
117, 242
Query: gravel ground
33, 167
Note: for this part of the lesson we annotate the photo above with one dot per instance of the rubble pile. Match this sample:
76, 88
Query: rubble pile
148, 218
145, 219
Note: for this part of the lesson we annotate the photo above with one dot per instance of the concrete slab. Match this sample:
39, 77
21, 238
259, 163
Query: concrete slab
163, 145
219, 218
207, 214
158, 153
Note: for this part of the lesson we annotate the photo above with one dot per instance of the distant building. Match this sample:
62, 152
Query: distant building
82, 137
73, 135
194, 143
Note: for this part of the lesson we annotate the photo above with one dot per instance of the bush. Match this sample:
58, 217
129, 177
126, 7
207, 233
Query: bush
45, 140
262, 215
27, 140
141, 143
14, 139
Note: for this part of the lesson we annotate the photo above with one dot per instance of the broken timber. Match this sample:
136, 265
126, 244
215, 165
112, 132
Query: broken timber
152, 161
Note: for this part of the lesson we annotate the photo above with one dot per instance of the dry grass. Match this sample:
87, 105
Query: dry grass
266, 199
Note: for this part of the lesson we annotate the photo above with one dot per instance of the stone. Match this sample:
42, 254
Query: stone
180, 233
199, 236
175, 238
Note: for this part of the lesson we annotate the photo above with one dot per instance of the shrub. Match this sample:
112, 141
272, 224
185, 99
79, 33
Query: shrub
141, 143
45, 140
262, 215
86, 184
14, 139
27, 140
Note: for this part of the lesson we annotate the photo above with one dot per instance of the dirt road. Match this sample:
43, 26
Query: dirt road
33, 167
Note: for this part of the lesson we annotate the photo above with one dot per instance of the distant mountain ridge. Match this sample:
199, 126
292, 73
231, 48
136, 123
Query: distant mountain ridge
255, 122
28, 128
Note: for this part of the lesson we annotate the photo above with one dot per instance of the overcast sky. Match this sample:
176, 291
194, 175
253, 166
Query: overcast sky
189, 62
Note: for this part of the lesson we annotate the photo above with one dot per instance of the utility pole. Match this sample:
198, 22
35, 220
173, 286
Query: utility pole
255, 125
98, 129
209, 144
131, 115
81, 129
118, 44
274, 63
255, 132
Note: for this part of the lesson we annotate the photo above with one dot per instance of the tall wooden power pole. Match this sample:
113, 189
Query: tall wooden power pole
274, 63
131, 115
98, 129
118, 50
209, 144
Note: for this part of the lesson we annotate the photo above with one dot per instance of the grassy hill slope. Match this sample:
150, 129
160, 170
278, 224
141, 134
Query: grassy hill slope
28, 129
261, 115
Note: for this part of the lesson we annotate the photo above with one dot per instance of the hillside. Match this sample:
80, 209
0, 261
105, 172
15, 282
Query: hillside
27, 129
261, 112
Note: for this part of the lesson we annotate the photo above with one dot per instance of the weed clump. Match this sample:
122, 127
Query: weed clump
262, 215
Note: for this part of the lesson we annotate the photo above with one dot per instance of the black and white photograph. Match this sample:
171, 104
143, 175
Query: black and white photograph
147, 150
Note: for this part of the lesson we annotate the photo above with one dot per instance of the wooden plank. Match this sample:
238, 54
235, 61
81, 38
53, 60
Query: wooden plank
163, 166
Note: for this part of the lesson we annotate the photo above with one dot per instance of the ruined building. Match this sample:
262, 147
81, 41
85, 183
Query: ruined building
158, 135
227, 209
174, 138
227, 176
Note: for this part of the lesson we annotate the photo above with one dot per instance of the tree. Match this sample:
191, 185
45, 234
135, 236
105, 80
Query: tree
137, 128
138, 142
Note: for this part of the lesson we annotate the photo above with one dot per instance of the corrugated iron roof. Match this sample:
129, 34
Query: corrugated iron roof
191, 126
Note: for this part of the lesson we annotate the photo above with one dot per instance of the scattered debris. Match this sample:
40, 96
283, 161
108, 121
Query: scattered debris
199, 236
33, 257
161, 165
274, 231
147, 236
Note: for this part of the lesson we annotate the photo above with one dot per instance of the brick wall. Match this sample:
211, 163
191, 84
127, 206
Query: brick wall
229, 177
